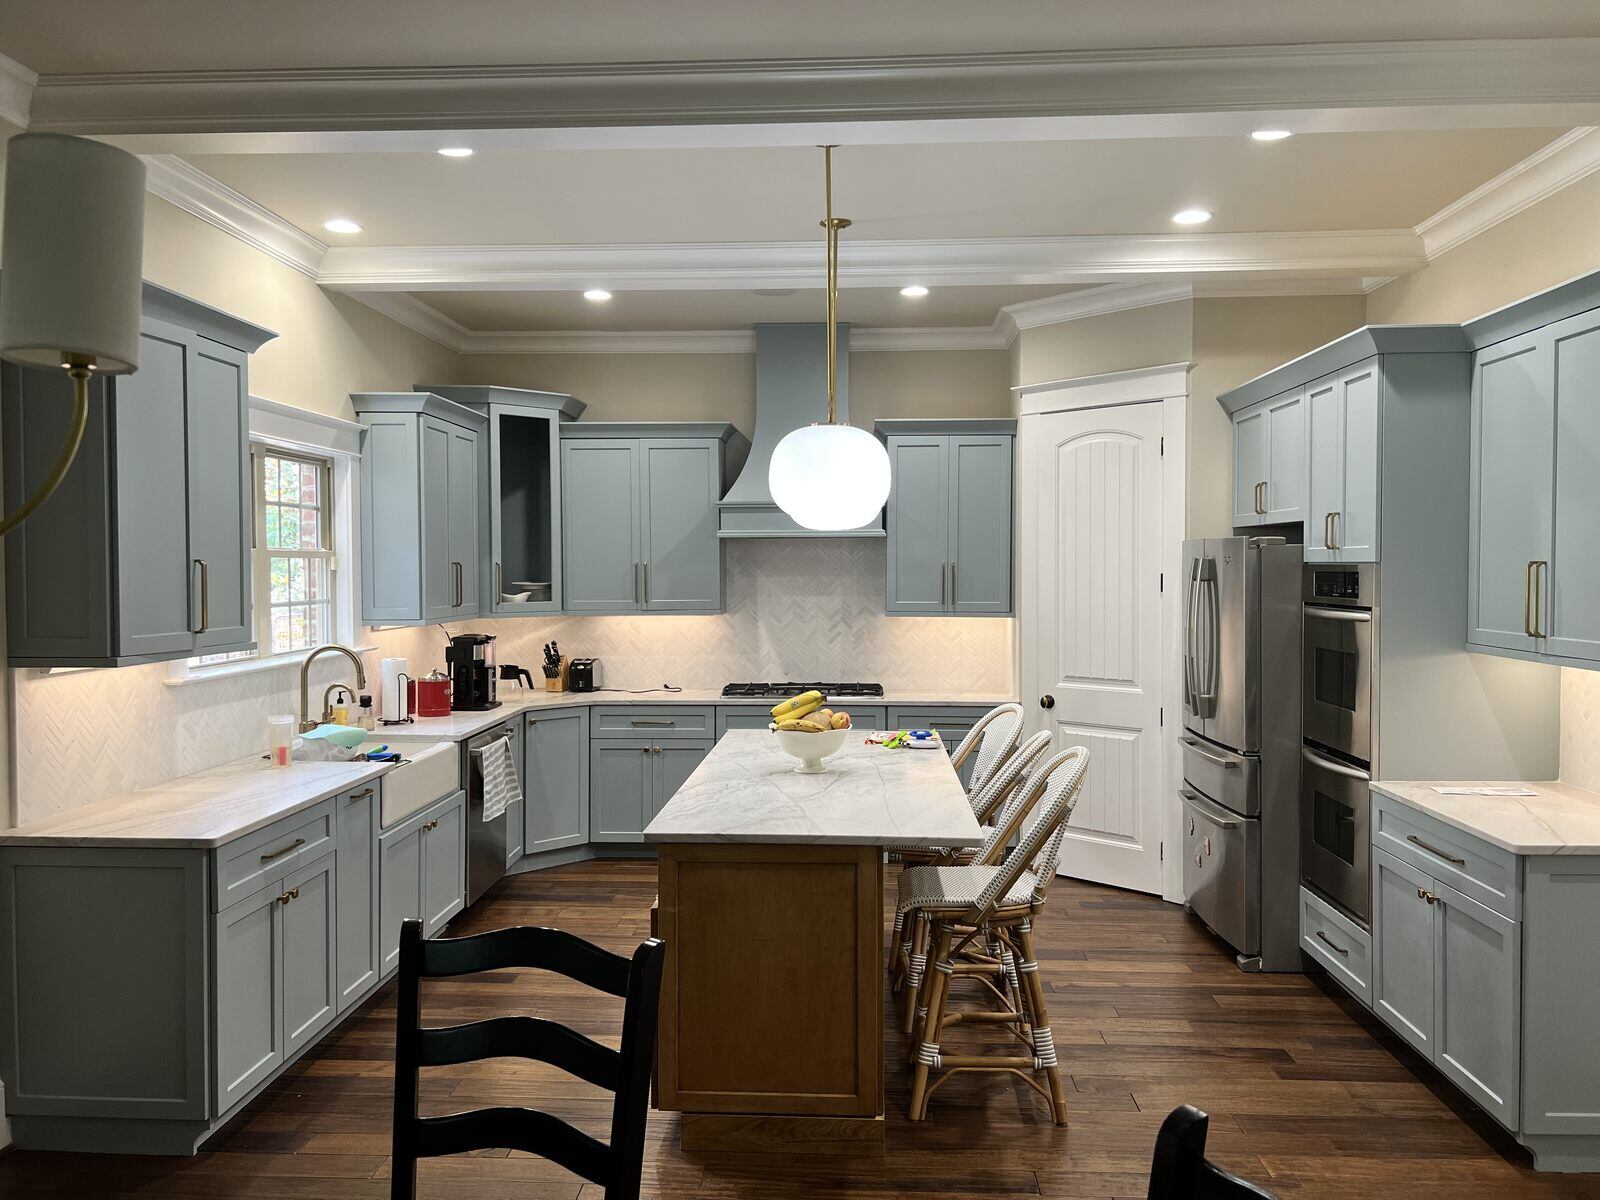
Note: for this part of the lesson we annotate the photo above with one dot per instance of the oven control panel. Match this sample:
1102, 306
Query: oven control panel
1336, 585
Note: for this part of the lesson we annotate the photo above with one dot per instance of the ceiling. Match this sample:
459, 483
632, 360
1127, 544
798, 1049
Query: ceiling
166, 35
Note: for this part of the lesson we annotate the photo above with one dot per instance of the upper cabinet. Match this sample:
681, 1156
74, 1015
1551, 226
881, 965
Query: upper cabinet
1342, 507
1269, 456
639, 516
949, 516
1535, 566
422, 467
522, 536
143, 553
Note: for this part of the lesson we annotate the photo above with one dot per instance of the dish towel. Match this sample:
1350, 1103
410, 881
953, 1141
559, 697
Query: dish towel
500, 784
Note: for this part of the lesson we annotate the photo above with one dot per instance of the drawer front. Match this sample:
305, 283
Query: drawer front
1342, 947
1473, 867
637, 720
1221, 867
862, 716
256, 859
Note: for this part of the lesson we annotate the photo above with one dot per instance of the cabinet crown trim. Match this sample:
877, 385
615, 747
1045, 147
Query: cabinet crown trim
1344, 352
568, 408
888, 427
425, 403
722, 431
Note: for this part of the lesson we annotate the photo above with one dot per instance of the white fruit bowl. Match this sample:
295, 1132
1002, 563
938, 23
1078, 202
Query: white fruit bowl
810, 748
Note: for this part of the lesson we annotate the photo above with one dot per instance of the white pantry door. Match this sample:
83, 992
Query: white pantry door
1095, 665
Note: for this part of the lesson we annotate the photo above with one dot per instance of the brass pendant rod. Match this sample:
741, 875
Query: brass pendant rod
80, 370
833, 278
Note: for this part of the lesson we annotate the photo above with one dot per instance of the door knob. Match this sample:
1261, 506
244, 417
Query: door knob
1047, 701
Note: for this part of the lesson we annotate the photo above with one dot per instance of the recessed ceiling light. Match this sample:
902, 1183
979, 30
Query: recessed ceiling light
456, 151
598, 295
914, 290
1191, 216
1271, 135
341, 225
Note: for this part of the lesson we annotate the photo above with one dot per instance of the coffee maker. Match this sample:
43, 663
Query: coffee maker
470, 659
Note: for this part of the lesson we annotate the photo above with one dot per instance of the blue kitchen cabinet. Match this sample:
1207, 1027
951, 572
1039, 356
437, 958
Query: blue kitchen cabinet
950, 535
1269, 462
555, 781
422, 872
1343, 464
360, 956
622, 789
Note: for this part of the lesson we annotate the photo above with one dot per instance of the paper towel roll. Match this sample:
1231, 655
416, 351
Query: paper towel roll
392, 672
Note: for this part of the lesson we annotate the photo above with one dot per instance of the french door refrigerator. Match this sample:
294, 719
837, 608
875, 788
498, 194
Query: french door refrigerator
1240, 744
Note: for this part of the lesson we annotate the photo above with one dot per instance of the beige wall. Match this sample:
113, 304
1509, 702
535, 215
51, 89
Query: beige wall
1236, 339
1121, 341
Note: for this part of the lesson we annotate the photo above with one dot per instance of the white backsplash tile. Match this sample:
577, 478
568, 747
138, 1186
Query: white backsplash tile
797, 609
1580, 728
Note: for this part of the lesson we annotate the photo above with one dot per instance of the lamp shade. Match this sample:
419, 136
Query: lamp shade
73, 247
829, 477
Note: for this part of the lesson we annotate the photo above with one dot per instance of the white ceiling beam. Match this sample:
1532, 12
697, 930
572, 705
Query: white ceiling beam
1421, 83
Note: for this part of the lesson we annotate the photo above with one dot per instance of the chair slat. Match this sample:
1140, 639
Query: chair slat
525, 1129
527, 946
523, 1037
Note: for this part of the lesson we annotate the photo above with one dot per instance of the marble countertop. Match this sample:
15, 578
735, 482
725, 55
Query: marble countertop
200, 811
515, 701
747, 790
1560, 819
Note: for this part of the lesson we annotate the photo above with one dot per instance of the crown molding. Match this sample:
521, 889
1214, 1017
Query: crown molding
17, 85
419, 317
1428, 76
1573, 156
1012, 319
1219, 289
214, 202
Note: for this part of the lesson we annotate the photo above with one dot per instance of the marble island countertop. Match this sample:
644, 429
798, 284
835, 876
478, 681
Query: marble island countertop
747, 790
200, 811
1559, 819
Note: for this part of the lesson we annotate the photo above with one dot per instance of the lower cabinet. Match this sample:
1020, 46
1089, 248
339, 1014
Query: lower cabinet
631, 779
555, 780
421, 872
515, 819
358, 955
275, 976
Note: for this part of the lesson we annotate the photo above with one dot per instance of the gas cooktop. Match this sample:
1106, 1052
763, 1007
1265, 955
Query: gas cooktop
777, 691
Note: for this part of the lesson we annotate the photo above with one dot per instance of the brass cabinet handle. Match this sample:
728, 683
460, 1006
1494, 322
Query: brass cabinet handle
1334, 946
636, 598
1330, 524
291, 894
205, 596
1424, 894
942, 568
430, 825
1435, 851
1527, 598
498, 590
1261, 498
1533, 603
647, 581
652, 724
294, 845
953, 600
361, 795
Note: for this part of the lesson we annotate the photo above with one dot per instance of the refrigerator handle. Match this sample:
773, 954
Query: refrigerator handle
1191, 666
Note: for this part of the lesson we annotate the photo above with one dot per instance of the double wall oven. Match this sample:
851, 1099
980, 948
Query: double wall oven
1339, 674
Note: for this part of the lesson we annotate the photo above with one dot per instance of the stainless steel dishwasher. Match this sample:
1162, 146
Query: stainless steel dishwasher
486, 840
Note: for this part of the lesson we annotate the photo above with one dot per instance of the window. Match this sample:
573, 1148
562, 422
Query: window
292, 559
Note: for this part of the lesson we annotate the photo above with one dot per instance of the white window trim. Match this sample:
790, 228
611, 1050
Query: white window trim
339, 441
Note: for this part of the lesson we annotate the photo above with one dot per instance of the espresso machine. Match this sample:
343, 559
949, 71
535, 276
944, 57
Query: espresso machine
470, 660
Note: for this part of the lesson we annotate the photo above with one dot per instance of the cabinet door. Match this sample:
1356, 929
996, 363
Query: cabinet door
1284, 497
220, 484
156, 576
600, 525
464, 471
438, 572
524, 509
1342, 515
621, 790
1513, 444
399, 887
919, 529
249, 1022
1569, 614
675, 762
356, 847
679, 486
310, 941
1478, 1025
980, 523
1403, 960
444, 864
555, 781
1249, 464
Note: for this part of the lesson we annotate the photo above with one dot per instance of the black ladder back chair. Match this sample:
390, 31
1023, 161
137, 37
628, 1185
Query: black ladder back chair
1180, 1170
615, 1167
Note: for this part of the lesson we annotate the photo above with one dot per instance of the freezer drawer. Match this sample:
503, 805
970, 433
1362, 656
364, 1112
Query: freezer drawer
1222, 870
1233, 780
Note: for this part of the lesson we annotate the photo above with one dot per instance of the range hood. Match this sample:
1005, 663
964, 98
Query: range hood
791, 392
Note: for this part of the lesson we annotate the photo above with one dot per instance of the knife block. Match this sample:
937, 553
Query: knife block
559, 682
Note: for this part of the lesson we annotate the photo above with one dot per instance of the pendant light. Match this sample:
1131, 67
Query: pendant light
70, 290
830, 477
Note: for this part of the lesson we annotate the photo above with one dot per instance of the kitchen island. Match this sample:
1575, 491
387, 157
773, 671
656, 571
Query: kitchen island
771, 905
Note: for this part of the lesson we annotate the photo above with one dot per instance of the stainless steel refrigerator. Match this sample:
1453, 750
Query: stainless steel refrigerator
1241, 745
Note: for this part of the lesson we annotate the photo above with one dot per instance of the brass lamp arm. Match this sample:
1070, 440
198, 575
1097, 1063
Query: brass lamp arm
79, 371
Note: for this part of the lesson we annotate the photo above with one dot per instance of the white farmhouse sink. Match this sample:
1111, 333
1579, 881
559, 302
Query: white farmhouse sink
431, 771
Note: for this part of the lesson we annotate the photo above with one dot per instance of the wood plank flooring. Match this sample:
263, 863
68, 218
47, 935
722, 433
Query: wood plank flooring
1307, 1095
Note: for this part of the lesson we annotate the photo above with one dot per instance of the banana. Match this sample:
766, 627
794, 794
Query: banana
797, 705
796, 725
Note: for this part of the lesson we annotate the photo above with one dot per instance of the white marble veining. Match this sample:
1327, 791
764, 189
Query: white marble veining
747, 790
200, 811
1560, 819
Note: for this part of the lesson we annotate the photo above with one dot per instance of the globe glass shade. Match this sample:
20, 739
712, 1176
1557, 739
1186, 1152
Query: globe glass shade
830, 477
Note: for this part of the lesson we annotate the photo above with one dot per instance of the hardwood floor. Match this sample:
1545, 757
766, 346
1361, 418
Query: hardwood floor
1307, 1095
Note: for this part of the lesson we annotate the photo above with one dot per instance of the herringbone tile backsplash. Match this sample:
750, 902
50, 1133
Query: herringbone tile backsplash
1580, 728
799, 609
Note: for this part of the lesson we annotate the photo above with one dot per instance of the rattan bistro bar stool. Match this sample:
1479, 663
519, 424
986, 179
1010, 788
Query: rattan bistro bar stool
988, 743
965, 904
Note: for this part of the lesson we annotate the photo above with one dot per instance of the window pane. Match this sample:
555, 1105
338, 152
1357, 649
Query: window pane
280, 630
319, 584
309, 479
289, 528
310, 534
288, 479
273, 533
278, 583
297, 580
270, 476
